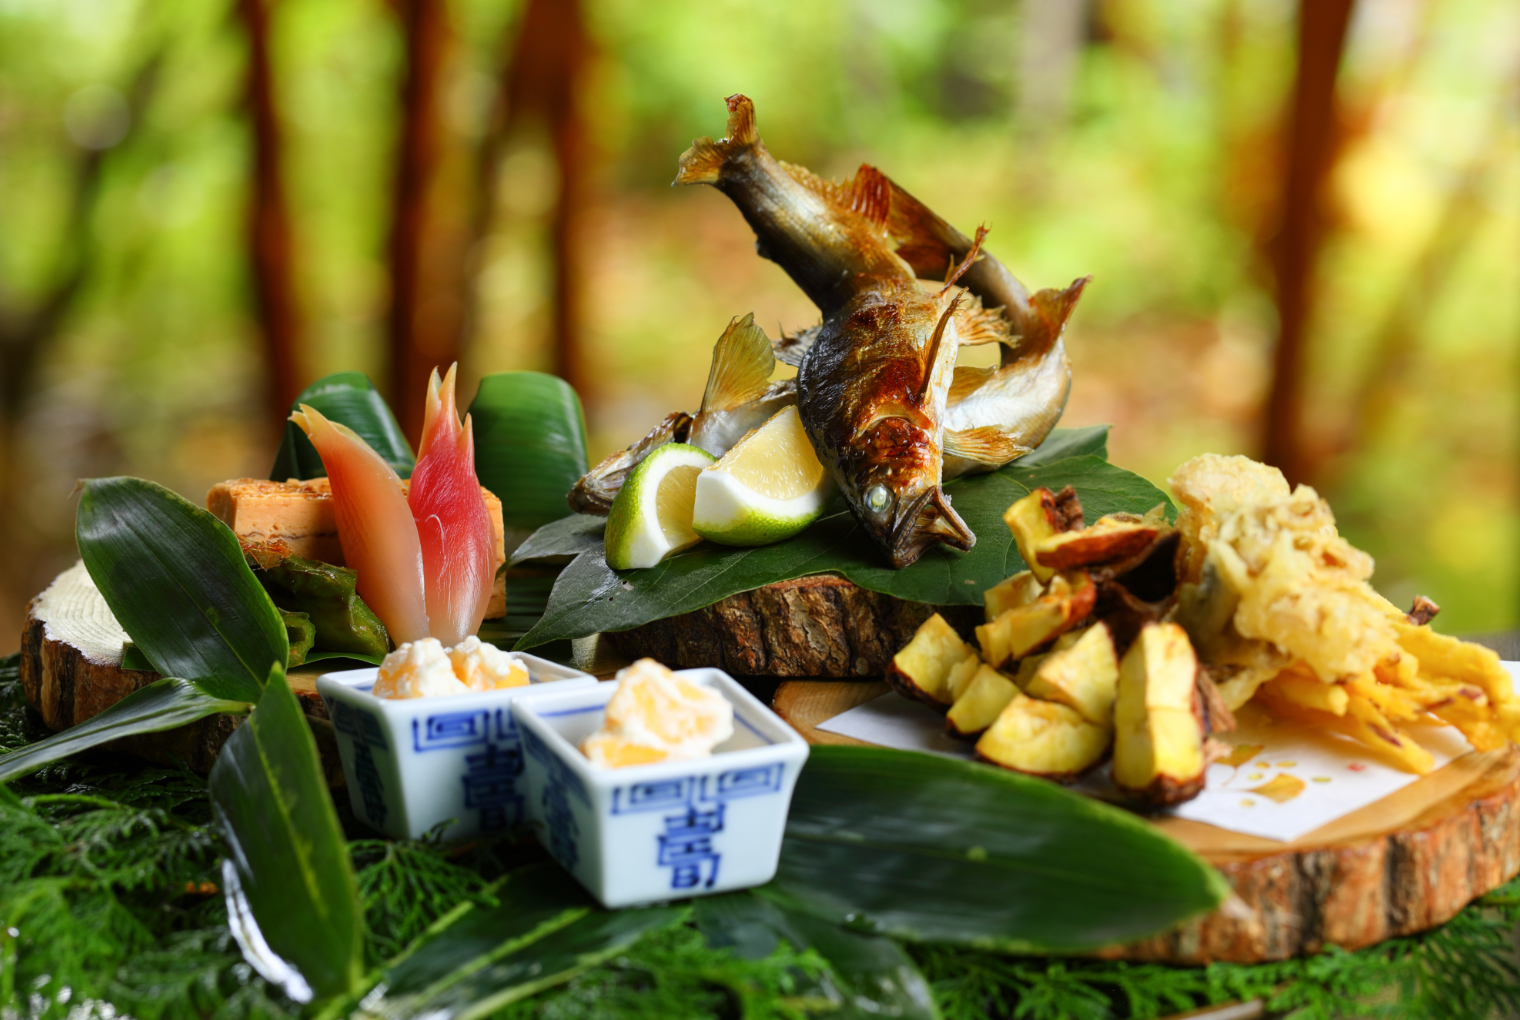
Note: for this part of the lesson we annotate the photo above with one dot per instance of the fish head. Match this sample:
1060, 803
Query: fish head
891, 478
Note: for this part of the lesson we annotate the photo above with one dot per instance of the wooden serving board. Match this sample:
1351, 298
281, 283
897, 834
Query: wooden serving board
1401, 865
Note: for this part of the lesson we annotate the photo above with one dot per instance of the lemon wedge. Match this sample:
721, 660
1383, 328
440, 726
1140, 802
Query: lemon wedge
767, 488
650, 518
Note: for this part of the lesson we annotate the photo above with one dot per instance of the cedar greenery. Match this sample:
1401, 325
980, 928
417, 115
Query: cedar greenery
108, 872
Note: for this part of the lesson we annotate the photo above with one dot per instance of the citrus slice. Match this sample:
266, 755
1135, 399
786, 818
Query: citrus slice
651, 517
769, 487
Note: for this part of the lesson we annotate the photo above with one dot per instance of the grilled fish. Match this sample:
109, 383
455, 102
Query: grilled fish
888, 411
877, 385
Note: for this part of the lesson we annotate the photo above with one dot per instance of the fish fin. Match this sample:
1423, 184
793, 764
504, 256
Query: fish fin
977, 325
703, 162
741, 366
988, 444
967, 380
935, 342
790, 350
966, 263
924, 240
1043, 322
868, 193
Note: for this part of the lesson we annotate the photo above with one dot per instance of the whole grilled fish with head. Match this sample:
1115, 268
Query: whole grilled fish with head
739, 397
877, 386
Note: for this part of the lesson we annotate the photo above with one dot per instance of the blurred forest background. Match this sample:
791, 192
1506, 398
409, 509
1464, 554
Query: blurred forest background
1301, 219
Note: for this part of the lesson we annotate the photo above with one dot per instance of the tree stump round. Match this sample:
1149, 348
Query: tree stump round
71, 669
821, 626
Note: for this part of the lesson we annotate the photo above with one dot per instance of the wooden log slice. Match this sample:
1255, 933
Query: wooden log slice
71, 655
1401, 865
820, 626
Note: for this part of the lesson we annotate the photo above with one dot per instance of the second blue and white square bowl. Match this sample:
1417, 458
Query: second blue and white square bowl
666, 830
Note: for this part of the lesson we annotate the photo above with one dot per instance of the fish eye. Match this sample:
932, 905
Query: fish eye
878, 498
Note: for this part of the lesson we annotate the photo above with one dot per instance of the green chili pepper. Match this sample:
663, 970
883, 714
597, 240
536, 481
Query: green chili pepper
326, 594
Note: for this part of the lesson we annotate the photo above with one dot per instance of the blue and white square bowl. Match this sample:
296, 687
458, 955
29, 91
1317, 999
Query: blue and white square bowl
670, 829
412, 763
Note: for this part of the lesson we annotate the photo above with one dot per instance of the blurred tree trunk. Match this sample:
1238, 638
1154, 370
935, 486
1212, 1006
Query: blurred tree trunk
1310, 156
423, 327
26, 331
270, 248
542, 78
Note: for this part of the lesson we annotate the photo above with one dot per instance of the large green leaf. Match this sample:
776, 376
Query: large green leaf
872, 974
350, 399
530, 444
291, 898
543, 930
175, 578
928, 848
589, 596
162, 705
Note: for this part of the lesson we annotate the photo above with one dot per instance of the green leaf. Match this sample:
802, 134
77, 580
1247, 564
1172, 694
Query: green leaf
932, 849
589, 596
530, 444
873, 975
290, 886
348, 398
162, 705
175, 578
1087, 441
543, 930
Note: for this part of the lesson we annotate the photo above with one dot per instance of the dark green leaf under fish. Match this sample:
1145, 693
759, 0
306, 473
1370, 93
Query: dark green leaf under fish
326, 594
175, 578
162, 705
291, 897
530, 444
932, 849
348, 398
589, 596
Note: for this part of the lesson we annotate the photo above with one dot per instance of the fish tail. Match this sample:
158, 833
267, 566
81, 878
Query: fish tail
703, 162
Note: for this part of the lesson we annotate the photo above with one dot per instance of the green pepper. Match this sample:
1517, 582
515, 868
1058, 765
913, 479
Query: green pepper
301, 632
326, 594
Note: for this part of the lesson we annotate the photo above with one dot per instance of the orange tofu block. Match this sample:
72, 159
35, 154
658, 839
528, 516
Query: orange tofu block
295, 518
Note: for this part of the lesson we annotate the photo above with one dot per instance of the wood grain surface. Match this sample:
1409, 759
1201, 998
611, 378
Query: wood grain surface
1401, 865
820, 626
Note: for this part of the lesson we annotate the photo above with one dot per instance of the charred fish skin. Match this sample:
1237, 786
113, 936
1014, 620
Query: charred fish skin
870, 392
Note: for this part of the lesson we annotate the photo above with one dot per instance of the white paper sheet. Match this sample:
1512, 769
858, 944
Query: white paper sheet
1336, 774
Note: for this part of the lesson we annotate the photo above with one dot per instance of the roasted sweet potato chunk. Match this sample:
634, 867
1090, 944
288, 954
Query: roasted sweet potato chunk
1043, 738
922, 669
1159, 731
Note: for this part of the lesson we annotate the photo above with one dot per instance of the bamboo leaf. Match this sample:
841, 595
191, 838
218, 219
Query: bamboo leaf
934, 849
162, 705
350, 399
543, 930
175, 578
589, 596
873, 976
530, 444
291, 897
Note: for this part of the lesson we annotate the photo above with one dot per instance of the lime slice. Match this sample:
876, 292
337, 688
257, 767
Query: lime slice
651, 516
769, 487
